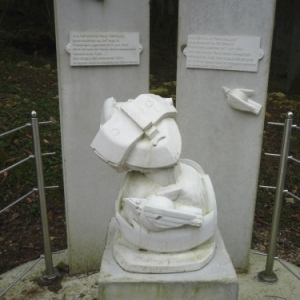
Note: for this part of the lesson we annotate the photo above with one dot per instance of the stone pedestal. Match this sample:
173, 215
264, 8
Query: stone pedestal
216, 281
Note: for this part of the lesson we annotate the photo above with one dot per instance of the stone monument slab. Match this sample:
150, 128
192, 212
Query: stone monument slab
213, 103
89, 190
216, 281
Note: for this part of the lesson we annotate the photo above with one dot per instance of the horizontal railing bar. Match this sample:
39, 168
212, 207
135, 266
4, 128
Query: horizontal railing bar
272, 154
16, 129
24, 160
16, 164
48, 153
281, 124
274, 188
20, 277
44, 122
263, 254
33, 190
268, 187
18, 200
280, 261
21, 127
287, 267
26, 271
289, 157
276, 124
52, 187
294, 159
293, 195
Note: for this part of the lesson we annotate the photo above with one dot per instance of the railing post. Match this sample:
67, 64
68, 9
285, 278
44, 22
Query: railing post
50, 272
268, 275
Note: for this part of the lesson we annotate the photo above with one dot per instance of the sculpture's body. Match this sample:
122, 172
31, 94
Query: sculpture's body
166, 211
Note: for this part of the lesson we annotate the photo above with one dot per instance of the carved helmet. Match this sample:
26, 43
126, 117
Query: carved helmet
139, 134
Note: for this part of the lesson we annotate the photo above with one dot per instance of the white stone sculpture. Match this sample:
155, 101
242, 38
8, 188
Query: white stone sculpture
238, 99
166, 214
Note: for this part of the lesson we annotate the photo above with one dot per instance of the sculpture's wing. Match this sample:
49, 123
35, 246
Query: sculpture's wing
240, 104
167, 218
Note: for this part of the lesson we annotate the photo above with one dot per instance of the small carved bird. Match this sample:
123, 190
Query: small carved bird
238, 99
159, 213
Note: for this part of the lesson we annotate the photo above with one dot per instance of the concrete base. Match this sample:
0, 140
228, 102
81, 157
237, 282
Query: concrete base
217, 280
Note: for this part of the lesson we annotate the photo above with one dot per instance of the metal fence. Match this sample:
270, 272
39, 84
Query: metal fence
50, 272
268, 275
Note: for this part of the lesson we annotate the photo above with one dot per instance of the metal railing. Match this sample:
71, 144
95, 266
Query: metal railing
268, 275
50, 272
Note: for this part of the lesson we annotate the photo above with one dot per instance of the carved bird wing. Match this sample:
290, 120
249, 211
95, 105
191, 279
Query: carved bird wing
238, 99
167, 218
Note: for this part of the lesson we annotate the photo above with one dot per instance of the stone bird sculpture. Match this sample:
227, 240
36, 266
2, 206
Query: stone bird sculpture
238, 99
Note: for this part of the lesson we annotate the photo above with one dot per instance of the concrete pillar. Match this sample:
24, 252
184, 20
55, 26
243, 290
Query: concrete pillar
226, 142
90, 192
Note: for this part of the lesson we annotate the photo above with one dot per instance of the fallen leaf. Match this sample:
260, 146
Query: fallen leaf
11, 159
23, 64
261, 248
28, 152
268, 115
53, 120
50, 215
30, 246
290, 200
47, 67
13, 217
28, 200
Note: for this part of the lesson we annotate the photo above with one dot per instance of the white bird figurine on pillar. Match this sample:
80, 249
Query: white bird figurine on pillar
238, 99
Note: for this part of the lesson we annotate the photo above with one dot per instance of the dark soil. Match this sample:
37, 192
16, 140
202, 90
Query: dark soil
288, 243
28, 82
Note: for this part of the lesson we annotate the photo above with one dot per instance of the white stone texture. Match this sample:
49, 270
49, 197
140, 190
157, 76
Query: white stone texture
90, 192
163, 199
216, 281
239, 99
224, 141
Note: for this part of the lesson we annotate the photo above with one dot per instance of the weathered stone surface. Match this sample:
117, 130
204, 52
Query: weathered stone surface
226, 142
216, 281
89, 191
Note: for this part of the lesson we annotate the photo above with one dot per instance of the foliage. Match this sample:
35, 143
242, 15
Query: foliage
28, 83
288, 245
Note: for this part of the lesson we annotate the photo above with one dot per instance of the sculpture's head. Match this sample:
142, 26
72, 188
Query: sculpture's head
139, 134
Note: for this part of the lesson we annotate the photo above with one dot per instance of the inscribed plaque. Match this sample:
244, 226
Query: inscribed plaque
235, 53
94, 48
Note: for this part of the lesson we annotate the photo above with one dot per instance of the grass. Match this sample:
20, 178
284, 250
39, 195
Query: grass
28, 84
